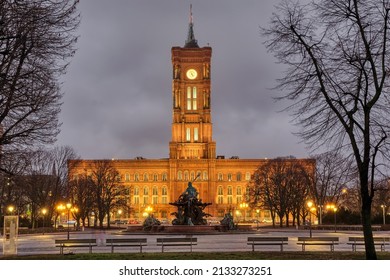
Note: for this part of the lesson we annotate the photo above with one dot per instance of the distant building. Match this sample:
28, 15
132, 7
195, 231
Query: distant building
192, 150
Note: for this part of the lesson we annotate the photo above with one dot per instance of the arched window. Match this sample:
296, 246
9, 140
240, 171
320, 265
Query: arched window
230, 177
238, 176
230, 195
164, 195
220, 177
146, 177
248, 176
186, 177
164, 177
136, 177
220, 195
205, 177
146, 191
179, 175
188, 134
136, 195
192, 178
127, 177
155, 177
238, 195
155, 195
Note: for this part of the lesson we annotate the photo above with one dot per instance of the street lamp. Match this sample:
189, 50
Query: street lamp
384, 214
44, 211
68, 206
334, 208
11, 209
258, 216
311, 208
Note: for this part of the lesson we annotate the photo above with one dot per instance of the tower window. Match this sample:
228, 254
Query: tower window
188, 134
191, 98
196, 134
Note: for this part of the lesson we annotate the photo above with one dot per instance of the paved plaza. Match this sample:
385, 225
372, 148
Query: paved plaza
224, 242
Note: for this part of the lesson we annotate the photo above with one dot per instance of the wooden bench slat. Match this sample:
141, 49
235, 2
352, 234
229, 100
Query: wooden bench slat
176, 241
75, 243
267, 240
126, 242
318, 241
359, 241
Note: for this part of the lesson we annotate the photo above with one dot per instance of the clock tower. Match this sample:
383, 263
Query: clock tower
191, 94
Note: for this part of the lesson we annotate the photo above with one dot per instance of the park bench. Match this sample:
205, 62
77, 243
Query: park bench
172, 241
263, 241
359, 241
62, 243
126, 242
325, 240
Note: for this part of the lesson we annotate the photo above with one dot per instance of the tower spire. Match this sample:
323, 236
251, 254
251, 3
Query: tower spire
191, 42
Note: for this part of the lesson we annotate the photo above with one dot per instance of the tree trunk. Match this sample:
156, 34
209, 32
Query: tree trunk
366, 221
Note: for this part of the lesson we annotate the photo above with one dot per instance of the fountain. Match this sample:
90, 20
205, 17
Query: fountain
190, 209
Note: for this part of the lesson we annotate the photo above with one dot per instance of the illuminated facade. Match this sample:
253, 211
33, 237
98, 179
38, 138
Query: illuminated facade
192, 151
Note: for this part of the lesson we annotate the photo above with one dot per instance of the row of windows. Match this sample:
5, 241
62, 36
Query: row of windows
145, 177
183, 175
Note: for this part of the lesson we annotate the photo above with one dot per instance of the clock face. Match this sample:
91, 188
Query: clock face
191, 74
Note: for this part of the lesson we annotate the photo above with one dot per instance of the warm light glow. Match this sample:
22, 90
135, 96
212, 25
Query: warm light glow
331, 207
11, 209
309, 204
60, 207
120, 211
243, 205
69, 205
44, 211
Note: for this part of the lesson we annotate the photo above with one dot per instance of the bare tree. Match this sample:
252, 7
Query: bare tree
338, 61
36, 41
281, 186
333, 176
107, 189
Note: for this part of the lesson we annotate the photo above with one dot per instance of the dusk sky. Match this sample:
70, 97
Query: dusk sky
117, 101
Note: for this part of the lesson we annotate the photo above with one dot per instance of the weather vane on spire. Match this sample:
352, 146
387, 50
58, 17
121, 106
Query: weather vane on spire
191, 42
191, 14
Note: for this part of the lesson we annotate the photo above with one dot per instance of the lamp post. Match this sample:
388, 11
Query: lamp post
334, 209
258, 216
68, 206
384, 213
44, 211
310, 206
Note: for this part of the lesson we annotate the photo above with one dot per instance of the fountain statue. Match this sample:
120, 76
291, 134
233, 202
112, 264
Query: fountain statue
190, 208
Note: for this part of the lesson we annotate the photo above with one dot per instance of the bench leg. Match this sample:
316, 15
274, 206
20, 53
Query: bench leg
61, 250
332, 248
253, 247
90, 249
303, 247
281, 247
140, 248
112, 249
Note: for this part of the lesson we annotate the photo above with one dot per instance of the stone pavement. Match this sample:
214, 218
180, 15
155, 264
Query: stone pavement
221, 242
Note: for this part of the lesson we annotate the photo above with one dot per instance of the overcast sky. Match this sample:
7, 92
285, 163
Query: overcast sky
117, 101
